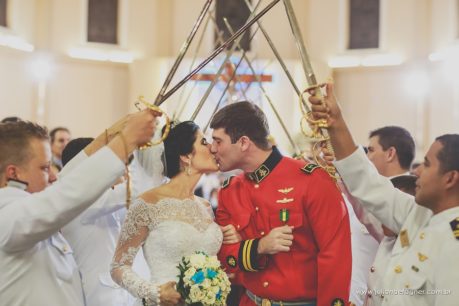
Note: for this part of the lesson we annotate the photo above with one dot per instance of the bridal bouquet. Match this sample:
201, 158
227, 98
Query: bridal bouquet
202, 281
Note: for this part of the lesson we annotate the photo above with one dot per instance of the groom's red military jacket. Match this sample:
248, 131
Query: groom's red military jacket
287, 191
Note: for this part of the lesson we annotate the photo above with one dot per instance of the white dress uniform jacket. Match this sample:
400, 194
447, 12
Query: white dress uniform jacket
423, 266
36, 263
364, 248
94, 233
374, 296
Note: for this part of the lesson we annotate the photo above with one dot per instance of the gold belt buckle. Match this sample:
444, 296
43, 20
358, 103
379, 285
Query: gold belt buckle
265, 302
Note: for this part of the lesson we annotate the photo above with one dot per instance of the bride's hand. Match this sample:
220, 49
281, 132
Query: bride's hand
230, 234
169, 295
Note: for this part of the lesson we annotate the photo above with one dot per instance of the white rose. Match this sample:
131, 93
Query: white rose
213, 262
196, 295
189, 273
198, 261
209, 299
206, 284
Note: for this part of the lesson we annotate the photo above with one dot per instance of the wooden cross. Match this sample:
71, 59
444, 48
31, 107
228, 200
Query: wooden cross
229, 71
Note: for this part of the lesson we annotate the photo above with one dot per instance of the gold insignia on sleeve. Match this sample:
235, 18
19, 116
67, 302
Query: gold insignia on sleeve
284, 200
404, 240
246, 255
285, 190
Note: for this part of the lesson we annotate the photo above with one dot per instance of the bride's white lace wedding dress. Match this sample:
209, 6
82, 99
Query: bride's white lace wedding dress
167, 231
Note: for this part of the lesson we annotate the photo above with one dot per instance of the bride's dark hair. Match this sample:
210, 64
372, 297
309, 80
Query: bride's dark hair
179, 142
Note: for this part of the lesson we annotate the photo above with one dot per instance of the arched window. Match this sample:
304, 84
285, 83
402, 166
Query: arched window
3, 5
457, 19
364, 24
103, 21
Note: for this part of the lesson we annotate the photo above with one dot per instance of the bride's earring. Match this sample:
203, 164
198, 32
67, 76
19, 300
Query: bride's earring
188, 168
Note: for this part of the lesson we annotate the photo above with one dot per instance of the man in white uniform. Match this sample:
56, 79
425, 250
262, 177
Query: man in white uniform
36, 264
102, 223
391, 149
423, 266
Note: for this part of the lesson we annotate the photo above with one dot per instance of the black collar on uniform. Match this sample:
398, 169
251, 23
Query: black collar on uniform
266, 168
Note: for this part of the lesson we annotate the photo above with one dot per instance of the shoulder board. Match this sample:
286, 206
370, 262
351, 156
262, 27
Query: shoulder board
226, 182
455, 227
309, 168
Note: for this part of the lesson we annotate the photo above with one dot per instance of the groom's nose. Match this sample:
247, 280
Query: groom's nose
213, 148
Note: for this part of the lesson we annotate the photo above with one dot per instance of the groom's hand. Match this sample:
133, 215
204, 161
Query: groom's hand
278, 240
230, 234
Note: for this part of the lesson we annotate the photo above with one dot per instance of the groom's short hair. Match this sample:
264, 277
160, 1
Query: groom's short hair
243, 119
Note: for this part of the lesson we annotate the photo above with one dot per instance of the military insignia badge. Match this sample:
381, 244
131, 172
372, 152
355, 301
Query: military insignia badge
285, 190
284, 201
226, 182
284, 214
455, 227
422, 257
337, 302
309, 168
263, 172
231, 261
404, 240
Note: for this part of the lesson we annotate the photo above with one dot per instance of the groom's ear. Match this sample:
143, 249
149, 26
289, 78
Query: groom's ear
245, 143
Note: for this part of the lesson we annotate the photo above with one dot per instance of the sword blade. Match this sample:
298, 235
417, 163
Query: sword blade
182, 51
307, 67
216, 52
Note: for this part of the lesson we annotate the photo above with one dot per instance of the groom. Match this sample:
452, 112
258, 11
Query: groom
294, 226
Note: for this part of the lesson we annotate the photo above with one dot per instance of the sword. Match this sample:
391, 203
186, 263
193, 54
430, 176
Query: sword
257, 77
223, 93
309, 72
182, 52
216, 52
219, 72
181, 104
279, 59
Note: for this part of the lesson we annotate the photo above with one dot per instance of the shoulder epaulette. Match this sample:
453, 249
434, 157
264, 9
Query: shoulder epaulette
226, 182
309, 168
455, 227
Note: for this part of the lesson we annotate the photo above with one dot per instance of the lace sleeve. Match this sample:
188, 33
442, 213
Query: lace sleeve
133, 234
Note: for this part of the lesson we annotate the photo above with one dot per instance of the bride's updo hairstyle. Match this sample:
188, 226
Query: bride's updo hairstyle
179, 142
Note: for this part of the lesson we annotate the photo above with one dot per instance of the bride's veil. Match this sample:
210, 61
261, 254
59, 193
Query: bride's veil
153, 163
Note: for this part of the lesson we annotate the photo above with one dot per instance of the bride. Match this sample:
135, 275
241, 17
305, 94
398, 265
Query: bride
169, 221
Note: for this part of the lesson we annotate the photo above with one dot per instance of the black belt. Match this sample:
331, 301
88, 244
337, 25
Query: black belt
267, 302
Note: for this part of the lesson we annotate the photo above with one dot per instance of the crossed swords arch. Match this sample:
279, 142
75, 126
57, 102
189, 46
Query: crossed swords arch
320, 135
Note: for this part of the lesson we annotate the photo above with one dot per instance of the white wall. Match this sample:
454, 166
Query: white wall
16, 84
87, 95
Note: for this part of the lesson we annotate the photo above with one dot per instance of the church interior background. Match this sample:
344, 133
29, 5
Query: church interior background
83, 63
